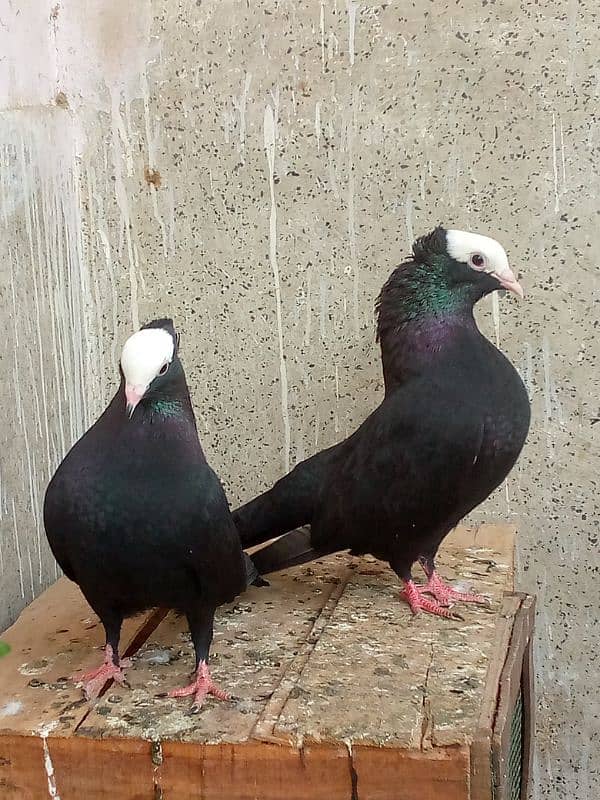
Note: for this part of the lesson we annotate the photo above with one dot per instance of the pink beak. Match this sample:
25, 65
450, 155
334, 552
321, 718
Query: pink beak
508, 281
133, 395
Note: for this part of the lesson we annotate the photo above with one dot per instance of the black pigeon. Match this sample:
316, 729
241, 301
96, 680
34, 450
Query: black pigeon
451, 425
138, 519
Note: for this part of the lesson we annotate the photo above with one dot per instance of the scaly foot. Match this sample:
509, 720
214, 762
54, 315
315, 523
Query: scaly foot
414, 597
202, 686
446, 595
94, 681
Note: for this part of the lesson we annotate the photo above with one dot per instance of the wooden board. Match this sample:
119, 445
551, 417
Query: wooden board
55, 637
514, 681
334, 684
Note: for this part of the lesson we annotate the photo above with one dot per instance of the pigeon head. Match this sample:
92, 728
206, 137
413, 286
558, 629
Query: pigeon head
449, 272
468, 261
149, 361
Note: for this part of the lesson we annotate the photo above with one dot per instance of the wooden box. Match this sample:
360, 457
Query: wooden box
339, 693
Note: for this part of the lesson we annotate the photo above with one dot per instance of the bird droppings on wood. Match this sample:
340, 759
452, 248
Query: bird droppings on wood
342, 663
334, 672
37, 667
11, 708
159, 656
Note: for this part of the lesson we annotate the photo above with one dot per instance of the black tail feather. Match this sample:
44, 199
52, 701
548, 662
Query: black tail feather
253, 577
290, 550
288, 505
271, 514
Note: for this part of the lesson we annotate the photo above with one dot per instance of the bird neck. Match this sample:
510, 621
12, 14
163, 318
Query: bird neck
167, 407
421, 315
174, 408
171, 404
420, 345
417, 292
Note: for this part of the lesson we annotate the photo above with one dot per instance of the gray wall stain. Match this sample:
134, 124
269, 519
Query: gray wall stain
137, 179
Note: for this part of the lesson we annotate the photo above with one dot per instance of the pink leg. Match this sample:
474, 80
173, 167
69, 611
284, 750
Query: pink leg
93, 682
446, 595
202, 686
414, 597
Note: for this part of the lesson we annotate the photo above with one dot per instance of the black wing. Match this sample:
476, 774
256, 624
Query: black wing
403, 472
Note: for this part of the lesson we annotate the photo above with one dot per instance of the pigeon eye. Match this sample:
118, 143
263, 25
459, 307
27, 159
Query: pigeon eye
164, 368
477, 260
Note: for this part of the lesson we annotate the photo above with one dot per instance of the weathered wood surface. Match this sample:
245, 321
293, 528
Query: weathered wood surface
327, 662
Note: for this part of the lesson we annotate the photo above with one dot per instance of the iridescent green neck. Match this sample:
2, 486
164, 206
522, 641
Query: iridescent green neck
167, 408
423, 294
427, 291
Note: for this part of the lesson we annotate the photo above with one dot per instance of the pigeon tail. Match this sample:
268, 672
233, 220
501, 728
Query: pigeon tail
288, 505
288, 551
253, 577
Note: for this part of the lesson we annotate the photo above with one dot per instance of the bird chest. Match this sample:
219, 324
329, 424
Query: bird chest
338, 693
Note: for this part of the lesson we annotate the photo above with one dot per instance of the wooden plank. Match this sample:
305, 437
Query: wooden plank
375, 658
56, 636
497, 536
294, 601
323, 666
460, 656
481, 748
489, 541
22, 768
386, 774
364, 673
256, 641
510, 681
491, 549
253, 771
528, 699
509, 688
112, 769
264, 728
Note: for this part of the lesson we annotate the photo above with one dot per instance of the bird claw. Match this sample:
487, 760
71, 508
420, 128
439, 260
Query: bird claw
201, 687
446, 595
414, 597
94, 681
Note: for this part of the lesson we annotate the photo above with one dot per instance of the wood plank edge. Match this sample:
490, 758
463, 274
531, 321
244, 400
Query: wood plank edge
528, 700
23, 766
441, 772
354, 767
264, 728
510, 685
481, 745
227, 770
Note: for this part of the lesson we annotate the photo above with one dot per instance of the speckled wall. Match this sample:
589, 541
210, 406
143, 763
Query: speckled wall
256, 170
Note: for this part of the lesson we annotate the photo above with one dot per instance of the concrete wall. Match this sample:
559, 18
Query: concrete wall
256, 170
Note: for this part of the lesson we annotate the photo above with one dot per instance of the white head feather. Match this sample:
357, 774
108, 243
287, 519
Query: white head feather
483, 254
144, 355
